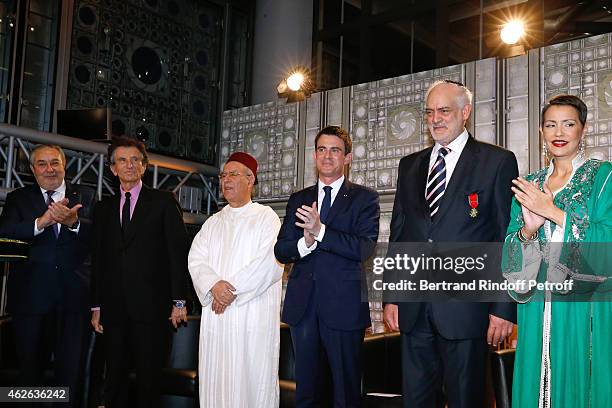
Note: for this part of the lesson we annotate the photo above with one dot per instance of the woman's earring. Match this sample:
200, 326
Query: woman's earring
581, 147
545, 151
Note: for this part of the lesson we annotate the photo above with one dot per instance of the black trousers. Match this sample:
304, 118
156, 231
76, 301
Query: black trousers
65, 334
143, 346
438, 370
312, 340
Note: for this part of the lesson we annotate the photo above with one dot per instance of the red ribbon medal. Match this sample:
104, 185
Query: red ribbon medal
473, 200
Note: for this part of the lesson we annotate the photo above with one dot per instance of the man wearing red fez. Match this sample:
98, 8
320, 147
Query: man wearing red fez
238, 282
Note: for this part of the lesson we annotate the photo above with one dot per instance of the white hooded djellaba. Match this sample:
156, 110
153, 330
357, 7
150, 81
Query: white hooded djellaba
239, 349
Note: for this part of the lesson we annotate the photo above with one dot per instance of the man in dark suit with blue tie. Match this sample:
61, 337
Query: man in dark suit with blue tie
329, 230
48, 295
456, 191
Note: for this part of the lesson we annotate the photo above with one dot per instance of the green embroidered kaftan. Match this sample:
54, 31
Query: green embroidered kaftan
564, 351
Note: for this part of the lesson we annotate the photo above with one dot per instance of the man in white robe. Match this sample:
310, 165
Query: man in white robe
238, 282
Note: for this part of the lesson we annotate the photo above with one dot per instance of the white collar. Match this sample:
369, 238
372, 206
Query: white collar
335, 185
456, 145
241, 208
61, 189
577, 161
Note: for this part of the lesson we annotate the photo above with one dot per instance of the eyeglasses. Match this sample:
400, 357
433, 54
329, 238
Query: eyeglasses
122, 161
232, 174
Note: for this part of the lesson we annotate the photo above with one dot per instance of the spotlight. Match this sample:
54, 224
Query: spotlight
296, 87
512, 31
295, 81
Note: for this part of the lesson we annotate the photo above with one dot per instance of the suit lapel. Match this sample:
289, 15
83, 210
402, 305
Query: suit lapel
341, 201
139, 214
423, 172
40, 206
113, 217
73, 195
312, 195
463, 170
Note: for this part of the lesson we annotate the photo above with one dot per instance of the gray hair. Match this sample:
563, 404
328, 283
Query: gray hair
44, 146
466, 95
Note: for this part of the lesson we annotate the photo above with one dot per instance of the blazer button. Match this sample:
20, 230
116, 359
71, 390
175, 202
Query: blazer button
429, 240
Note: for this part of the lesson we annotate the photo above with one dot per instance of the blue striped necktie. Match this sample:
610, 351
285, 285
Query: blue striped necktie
436, 182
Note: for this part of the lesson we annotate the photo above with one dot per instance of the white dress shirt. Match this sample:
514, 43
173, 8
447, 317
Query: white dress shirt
302, 247
451, 159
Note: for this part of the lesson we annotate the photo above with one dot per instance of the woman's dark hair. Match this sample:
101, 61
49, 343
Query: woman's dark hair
568, 100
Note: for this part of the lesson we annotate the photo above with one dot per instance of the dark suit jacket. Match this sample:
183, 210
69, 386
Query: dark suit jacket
336, 264
141, 274
57, 270
484, 169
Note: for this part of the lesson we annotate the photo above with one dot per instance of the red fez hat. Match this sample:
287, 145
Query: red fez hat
244, 158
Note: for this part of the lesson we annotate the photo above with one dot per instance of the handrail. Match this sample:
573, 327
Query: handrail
13, 136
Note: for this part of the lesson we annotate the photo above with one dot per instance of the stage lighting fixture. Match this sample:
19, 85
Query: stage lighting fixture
295, 81
296, 87
282, 87
512, 31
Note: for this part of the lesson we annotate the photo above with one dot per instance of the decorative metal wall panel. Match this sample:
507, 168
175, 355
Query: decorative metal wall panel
155, 63
334, 107
386, 124
583, 68
517, 112
313, 125
269, 133
484, 101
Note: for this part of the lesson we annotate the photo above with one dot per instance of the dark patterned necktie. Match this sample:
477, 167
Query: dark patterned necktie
326, 204
436, 182
125, 212
50, 200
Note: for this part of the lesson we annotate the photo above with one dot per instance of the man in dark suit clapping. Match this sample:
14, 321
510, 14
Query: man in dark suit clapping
329, 230
140, 277
456, 191
48, 294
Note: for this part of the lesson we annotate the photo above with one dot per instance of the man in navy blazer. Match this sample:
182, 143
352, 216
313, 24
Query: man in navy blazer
329, 230
456, 191
48, 295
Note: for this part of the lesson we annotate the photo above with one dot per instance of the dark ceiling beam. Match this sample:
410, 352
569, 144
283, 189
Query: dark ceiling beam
552, 27
442, 31
365, 65
407, 11
590, 27
459, 49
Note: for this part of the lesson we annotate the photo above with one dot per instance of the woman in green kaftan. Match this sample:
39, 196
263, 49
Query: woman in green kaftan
560, 230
